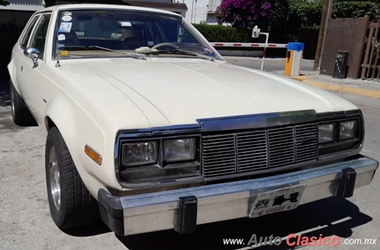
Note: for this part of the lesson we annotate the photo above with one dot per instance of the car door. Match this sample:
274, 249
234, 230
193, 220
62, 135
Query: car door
18, 52
30, 78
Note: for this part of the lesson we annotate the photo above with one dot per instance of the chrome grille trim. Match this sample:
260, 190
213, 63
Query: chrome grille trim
242, 152
252, 150
220, 154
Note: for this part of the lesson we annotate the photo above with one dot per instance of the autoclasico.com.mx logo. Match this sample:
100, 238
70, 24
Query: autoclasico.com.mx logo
294, 240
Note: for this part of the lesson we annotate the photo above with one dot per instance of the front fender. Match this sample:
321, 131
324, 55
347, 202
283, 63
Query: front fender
78, 129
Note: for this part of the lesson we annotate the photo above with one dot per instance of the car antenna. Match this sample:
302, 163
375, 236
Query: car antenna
57, 65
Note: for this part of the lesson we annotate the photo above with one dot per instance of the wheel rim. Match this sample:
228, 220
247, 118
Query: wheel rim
55, 187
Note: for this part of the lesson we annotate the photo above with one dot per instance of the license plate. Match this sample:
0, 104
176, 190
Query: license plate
278, 200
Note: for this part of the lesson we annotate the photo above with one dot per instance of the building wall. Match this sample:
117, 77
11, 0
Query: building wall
344, 34
201, 11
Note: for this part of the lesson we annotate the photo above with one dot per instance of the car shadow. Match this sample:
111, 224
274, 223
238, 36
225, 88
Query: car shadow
95, 229
324, 218
4, 94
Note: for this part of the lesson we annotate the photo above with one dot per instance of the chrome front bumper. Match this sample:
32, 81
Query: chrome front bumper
183, 209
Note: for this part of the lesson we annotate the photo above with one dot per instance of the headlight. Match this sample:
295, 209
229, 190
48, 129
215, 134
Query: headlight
179, 149
139, 153
343, 134
326, 132
347, 129
160, 159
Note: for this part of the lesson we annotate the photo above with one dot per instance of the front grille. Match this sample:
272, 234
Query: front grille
231, 153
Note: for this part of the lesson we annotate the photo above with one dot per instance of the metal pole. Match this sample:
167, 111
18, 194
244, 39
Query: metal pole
265, 49
324, 18
195, 12
192, 11
329, 10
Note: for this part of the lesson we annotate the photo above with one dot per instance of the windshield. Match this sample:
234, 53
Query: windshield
120, 33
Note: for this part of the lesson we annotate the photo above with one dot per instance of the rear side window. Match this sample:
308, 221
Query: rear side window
25, 38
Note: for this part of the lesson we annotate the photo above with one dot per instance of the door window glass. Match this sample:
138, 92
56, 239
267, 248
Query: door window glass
39, 39
25, 39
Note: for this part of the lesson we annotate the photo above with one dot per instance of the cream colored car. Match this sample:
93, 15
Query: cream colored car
149, 128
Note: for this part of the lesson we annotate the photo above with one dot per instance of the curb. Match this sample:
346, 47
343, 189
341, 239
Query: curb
338, 88
304, 77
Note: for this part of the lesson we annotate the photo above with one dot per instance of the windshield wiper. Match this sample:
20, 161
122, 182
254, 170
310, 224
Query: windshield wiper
94, 47
148, 51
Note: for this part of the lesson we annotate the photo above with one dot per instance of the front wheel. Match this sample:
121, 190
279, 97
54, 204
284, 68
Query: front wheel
70, 203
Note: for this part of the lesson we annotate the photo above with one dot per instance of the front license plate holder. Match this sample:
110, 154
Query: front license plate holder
277, 200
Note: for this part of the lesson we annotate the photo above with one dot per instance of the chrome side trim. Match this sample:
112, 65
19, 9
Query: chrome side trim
256, 121
338, 114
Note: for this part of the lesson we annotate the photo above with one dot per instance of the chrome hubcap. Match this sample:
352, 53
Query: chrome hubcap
55, 187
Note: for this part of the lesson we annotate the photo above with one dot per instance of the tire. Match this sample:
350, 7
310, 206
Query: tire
70, 203
20, 112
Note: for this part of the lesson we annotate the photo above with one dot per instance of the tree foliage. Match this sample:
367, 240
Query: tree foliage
243, 13
357, 9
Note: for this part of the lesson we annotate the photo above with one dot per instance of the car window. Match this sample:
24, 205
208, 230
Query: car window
29, 29
81, 33
169, 30
39, 38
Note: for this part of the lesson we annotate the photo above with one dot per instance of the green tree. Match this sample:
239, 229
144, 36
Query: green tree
3, 2
371, 1
245, 13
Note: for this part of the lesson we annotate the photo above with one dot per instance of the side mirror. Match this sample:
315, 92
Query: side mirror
33, 54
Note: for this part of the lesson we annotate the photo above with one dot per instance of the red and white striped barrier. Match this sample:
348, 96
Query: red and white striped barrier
250, 45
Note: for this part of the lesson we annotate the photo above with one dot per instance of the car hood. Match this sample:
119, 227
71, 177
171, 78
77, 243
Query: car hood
180, 91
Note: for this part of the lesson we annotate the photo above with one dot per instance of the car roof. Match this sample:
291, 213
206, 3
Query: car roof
104, 6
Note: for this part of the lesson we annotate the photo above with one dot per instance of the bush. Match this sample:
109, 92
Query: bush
303, 25
219, 33
356, 9
297, 21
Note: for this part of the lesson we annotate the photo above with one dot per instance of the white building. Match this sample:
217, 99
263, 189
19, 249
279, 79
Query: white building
198, 11
201, 11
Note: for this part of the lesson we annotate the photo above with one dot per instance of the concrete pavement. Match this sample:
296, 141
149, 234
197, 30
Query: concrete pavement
367, 88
